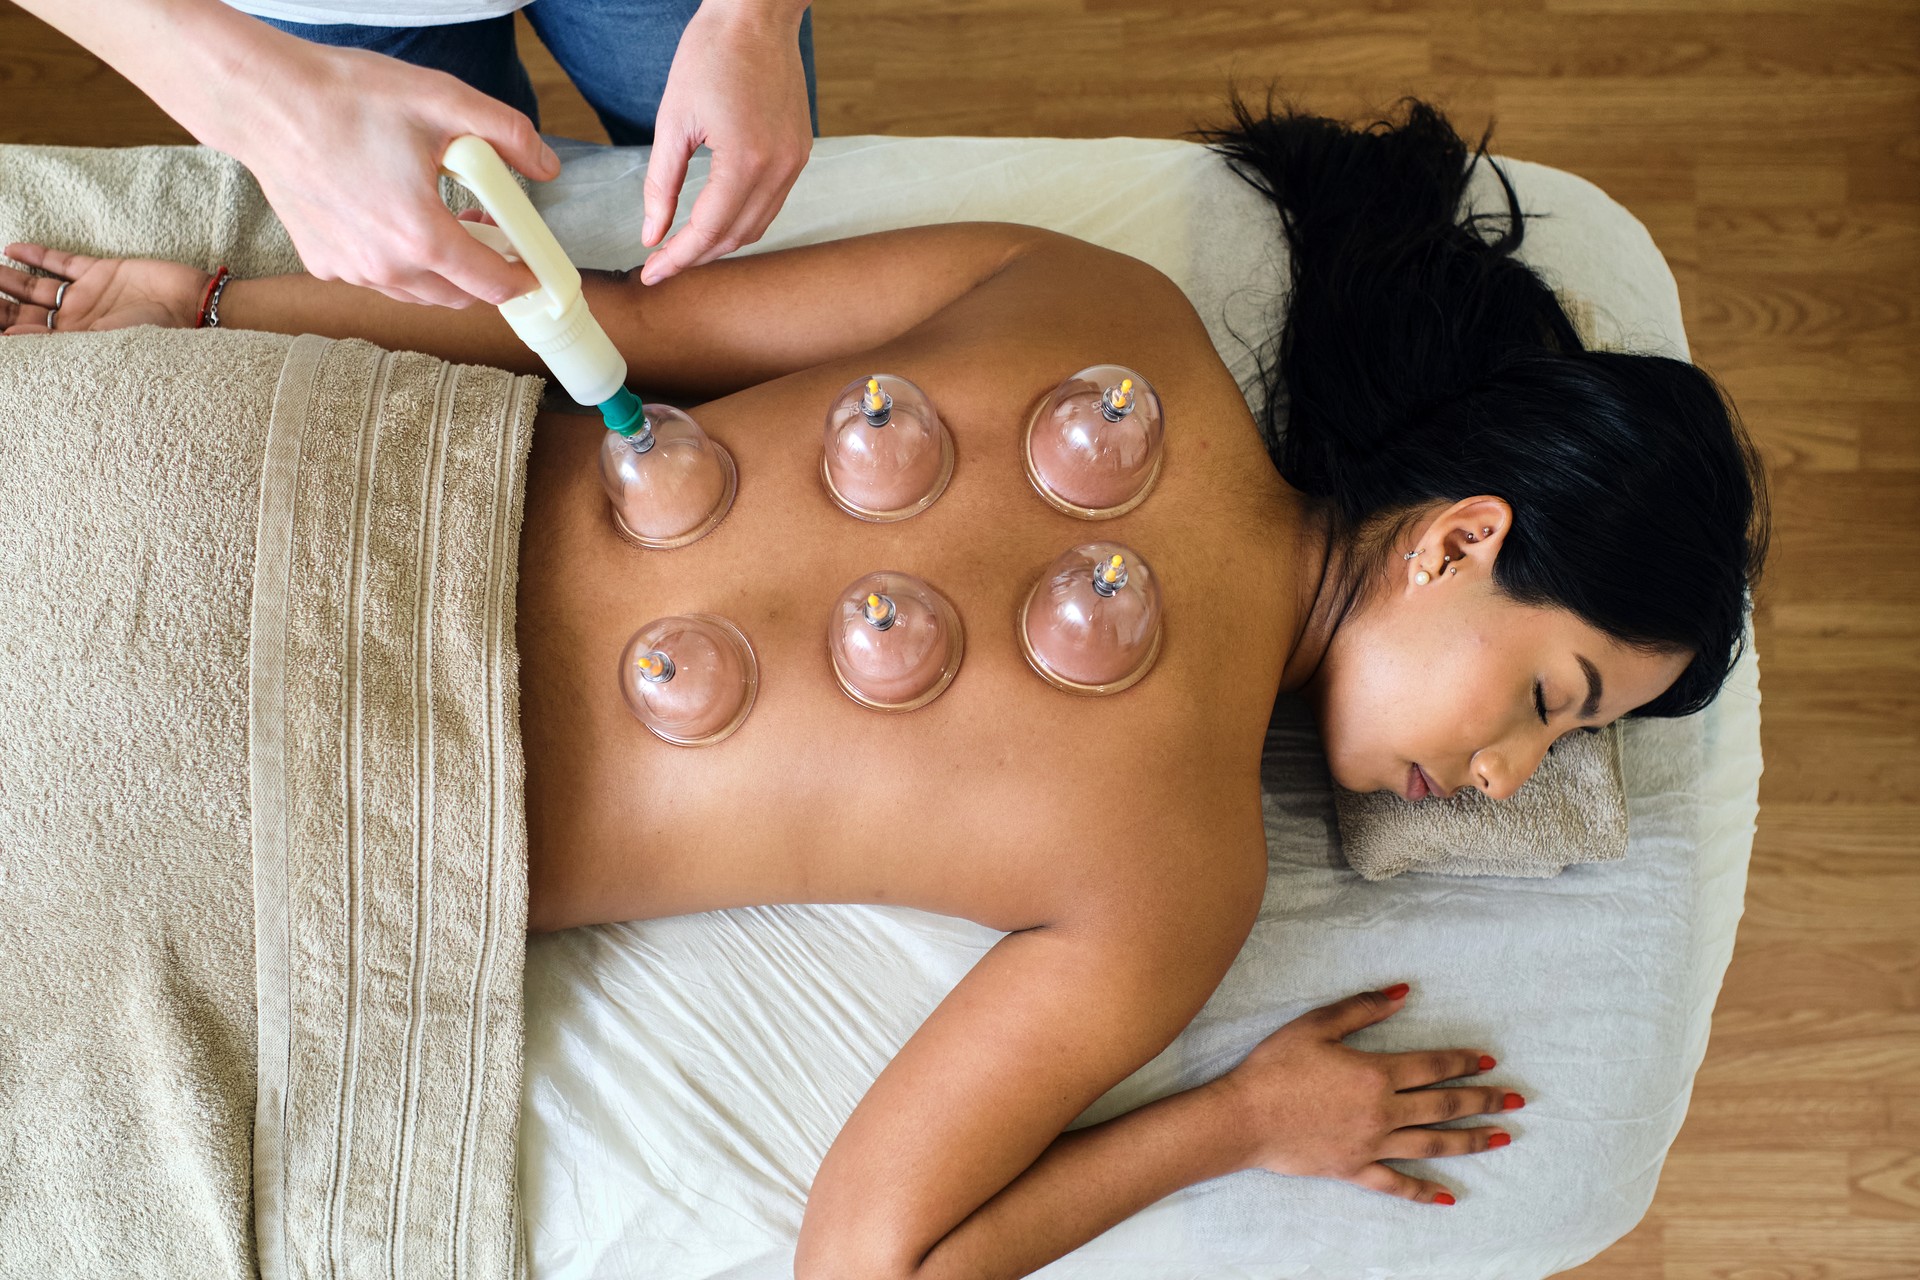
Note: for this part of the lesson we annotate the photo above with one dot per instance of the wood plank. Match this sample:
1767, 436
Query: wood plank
1764, 1246
1783, 1183
1732, 1118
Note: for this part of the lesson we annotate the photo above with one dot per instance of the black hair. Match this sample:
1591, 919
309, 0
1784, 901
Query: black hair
1420, 361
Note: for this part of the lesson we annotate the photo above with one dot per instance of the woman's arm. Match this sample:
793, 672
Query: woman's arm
702, 334
954, 1164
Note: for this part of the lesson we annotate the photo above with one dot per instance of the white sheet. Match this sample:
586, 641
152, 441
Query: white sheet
685, 1076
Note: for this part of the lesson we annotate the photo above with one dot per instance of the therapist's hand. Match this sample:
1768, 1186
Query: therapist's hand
737, 86
346, 146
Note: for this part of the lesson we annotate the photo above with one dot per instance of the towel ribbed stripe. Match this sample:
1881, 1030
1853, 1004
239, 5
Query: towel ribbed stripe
426, 566
353, 767
502, 519
267, 769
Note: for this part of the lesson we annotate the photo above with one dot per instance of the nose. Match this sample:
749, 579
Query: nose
1500, 771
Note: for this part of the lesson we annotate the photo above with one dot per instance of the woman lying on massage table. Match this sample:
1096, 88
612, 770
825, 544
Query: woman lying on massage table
1485, 538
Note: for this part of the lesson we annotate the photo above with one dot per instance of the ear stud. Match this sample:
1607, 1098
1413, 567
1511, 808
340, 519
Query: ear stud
1423, 577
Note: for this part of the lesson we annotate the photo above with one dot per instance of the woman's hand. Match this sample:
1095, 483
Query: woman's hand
1315, 1108
102, 293
736, 85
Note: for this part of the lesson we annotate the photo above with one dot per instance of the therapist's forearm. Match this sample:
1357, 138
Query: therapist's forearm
768, 12
189, 56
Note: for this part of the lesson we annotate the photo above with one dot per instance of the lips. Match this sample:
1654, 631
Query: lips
1419, 786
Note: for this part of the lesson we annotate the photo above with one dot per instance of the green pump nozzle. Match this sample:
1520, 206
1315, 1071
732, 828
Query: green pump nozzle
623, 413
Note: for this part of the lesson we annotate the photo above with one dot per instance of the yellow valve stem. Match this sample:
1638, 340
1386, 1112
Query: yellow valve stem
875, 401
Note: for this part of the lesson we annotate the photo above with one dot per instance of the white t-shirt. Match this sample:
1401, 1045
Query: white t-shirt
373, 13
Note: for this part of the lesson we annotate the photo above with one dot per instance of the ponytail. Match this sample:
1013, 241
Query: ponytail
1421, 362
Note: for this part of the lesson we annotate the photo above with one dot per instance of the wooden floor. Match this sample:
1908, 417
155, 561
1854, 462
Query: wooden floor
1773, 147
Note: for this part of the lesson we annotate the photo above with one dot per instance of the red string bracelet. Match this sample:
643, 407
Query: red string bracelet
200, 322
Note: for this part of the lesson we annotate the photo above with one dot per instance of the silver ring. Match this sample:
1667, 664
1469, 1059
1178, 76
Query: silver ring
59, 296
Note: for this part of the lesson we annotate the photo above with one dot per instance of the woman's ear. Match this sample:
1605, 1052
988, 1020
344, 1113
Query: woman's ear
1461, 541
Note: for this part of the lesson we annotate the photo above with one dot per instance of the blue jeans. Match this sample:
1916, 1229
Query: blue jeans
616, 52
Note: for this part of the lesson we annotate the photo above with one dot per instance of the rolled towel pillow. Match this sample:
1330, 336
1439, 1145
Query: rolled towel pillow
1573, 809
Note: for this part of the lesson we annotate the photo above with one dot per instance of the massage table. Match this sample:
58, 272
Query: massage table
683, 1077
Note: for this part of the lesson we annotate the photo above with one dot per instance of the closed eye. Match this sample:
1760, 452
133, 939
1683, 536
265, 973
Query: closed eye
1540, 701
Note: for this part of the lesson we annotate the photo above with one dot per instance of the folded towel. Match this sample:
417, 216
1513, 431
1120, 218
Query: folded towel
1573, 809
262, 849
183, 204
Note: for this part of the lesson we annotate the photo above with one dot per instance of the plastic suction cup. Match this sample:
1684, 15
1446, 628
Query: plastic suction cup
1094, 443
1091, 624
670, 482
895, 642
888, 455
691, 679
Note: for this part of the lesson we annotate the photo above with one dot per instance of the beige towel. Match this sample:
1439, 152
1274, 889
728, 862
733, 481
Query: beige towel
183, 204
1573, 809
262, 856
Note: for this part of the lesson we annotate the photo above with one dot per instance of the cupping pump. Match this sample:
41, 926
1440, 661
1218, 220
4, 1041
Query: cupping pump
553, 319
669, 482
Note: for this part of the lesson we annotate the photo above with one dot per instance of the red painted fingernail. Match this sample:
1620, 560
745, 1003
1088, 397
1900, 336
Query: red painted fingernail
1443, 1198
1499, 1140
1513, 1102
1397, 990
1487, 1063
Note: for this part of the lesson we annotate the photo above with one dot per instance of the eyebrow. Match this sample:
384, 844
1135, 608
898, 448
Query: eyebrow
1591, 707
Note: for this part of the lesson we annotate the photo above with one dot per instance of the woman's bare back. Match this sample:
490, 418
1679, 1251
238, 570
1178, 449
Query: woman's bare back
1005, 800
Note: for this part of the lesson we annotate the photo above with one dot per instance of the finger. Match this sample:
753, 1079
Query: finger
473, 271
666, 173
39, 290
1431, 1106
437, 291
31, 318
400, 295
1435, 1144
1411, 1070
1392, 1182
764, 197
1344, 1017
748, 227
57, 261
704, 236
518, 142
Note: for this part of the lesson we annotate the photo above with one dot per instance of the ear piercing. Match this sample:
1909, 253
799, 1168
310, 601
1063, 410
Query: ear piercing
1423, 577
1452, 571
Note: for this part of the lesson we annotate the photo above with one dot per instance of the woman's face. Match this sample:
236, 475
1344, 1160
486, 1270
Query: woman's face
1430, 687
